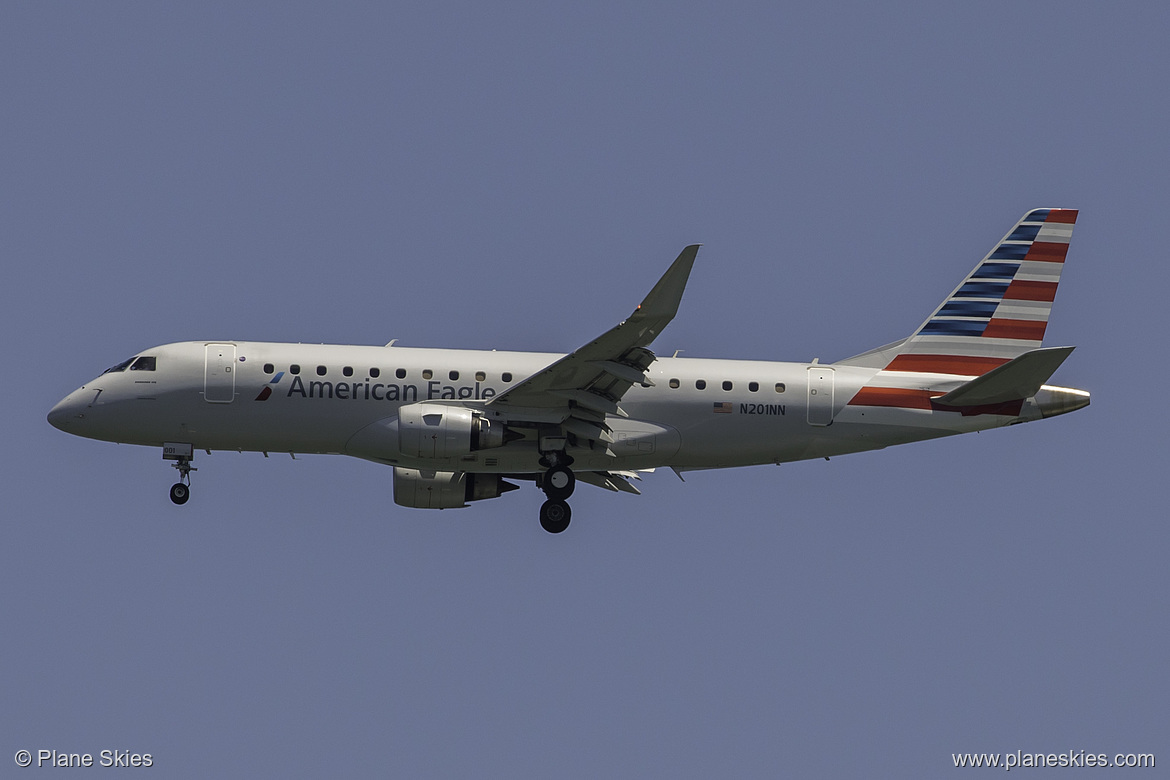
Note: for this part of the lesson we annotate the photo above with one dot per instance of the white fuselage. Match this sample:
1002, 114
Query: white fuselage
302, 398
455, 423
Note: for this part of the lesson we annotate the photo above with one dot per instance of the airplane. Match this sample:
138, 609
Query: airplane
456, 425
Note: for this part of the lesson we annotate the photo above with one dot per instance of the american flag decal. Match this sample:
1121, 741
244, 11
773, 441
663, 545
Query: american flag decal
722, 408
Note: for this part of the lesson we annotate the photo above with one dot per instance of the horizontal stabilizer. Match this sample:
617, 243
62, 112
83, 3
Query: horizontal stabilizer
1013, 381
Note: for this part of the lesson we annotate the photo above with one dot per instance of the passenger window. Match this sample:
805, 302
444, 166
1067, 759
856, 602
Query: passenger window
400, 373
427, 373
700, 384
143, 363
347, 371
506, 376
674, 383
480, 376
294, 369
269, 368
321, 370
753, 387
779, 387
454, 375
375, 373
727, 385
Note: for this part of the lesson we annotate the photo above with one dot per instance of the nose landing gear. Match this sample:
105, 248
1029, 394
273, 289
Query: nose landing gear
182, 454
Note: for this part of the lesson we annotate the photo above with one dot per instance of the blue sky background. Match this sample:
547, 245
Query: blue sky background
517, 176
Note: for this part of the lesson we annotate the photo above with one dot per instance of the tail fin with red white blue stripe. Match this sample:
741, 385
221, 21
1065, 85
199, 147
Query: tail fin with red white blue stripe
998, 312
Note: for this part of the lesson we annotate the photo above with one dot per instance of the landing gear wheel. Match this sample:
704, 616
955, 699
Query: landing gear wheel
559, 482
554, 516
180, 493
181, 454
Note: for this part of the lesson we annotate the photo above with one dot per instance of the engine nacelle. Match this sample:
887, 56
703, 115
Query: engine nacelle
445, 489
441, 431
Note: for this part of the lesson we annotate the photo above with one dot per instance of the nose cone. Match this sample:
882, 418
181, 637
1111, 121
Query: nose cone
68, 412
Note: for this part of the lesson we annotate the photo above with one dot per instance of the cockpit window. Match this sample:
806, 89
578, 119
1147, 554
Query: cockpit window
120, 367
144, 363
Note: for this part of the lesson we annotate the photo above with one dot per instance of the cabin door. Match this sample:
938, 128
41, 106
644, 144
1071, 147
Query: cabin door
219, 381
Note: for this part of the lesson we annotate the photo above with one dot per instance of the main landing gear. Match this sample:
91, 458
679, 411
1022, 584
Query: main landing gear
182, 454
555, 515
558, 483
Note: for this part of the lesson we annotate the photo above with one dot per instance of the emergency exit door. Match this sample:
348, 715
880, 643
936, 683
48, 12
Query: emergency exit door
820, 395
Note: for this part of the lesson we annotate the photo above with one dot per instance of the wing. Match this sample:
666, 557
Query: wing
577, 391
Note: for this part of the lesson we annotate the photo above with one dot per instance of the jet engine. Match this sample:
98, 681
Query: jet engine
445, 489
441, 431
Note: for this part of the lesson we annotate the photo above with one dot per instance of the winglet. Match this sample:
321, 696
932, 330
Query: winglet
661, 304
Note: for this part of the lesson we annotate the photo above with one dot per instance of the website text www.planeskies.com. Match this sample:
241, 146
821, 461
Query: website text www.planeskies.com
1069, 758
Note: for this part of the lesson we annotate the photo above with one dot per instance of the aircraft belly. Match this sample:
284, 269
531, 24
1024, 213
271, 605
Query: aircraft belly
259, 427
744, 436
637, 444
736, 440
859, 429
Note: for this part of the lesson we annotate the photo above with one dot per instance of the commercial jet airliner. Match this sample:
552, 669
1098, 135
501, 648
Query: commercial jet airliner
456, 425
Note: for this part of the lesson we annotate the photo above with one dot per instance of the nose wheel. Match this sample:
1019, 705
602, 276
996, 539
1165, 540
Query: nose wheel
182, 455
180, 493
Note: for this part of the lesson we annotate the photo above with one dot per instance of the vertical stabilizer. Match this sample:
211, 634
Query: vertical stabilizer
998, 312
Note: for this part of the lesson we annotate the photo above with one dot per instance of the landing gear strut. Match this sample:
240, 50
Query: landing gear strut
558, 483
182, 454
